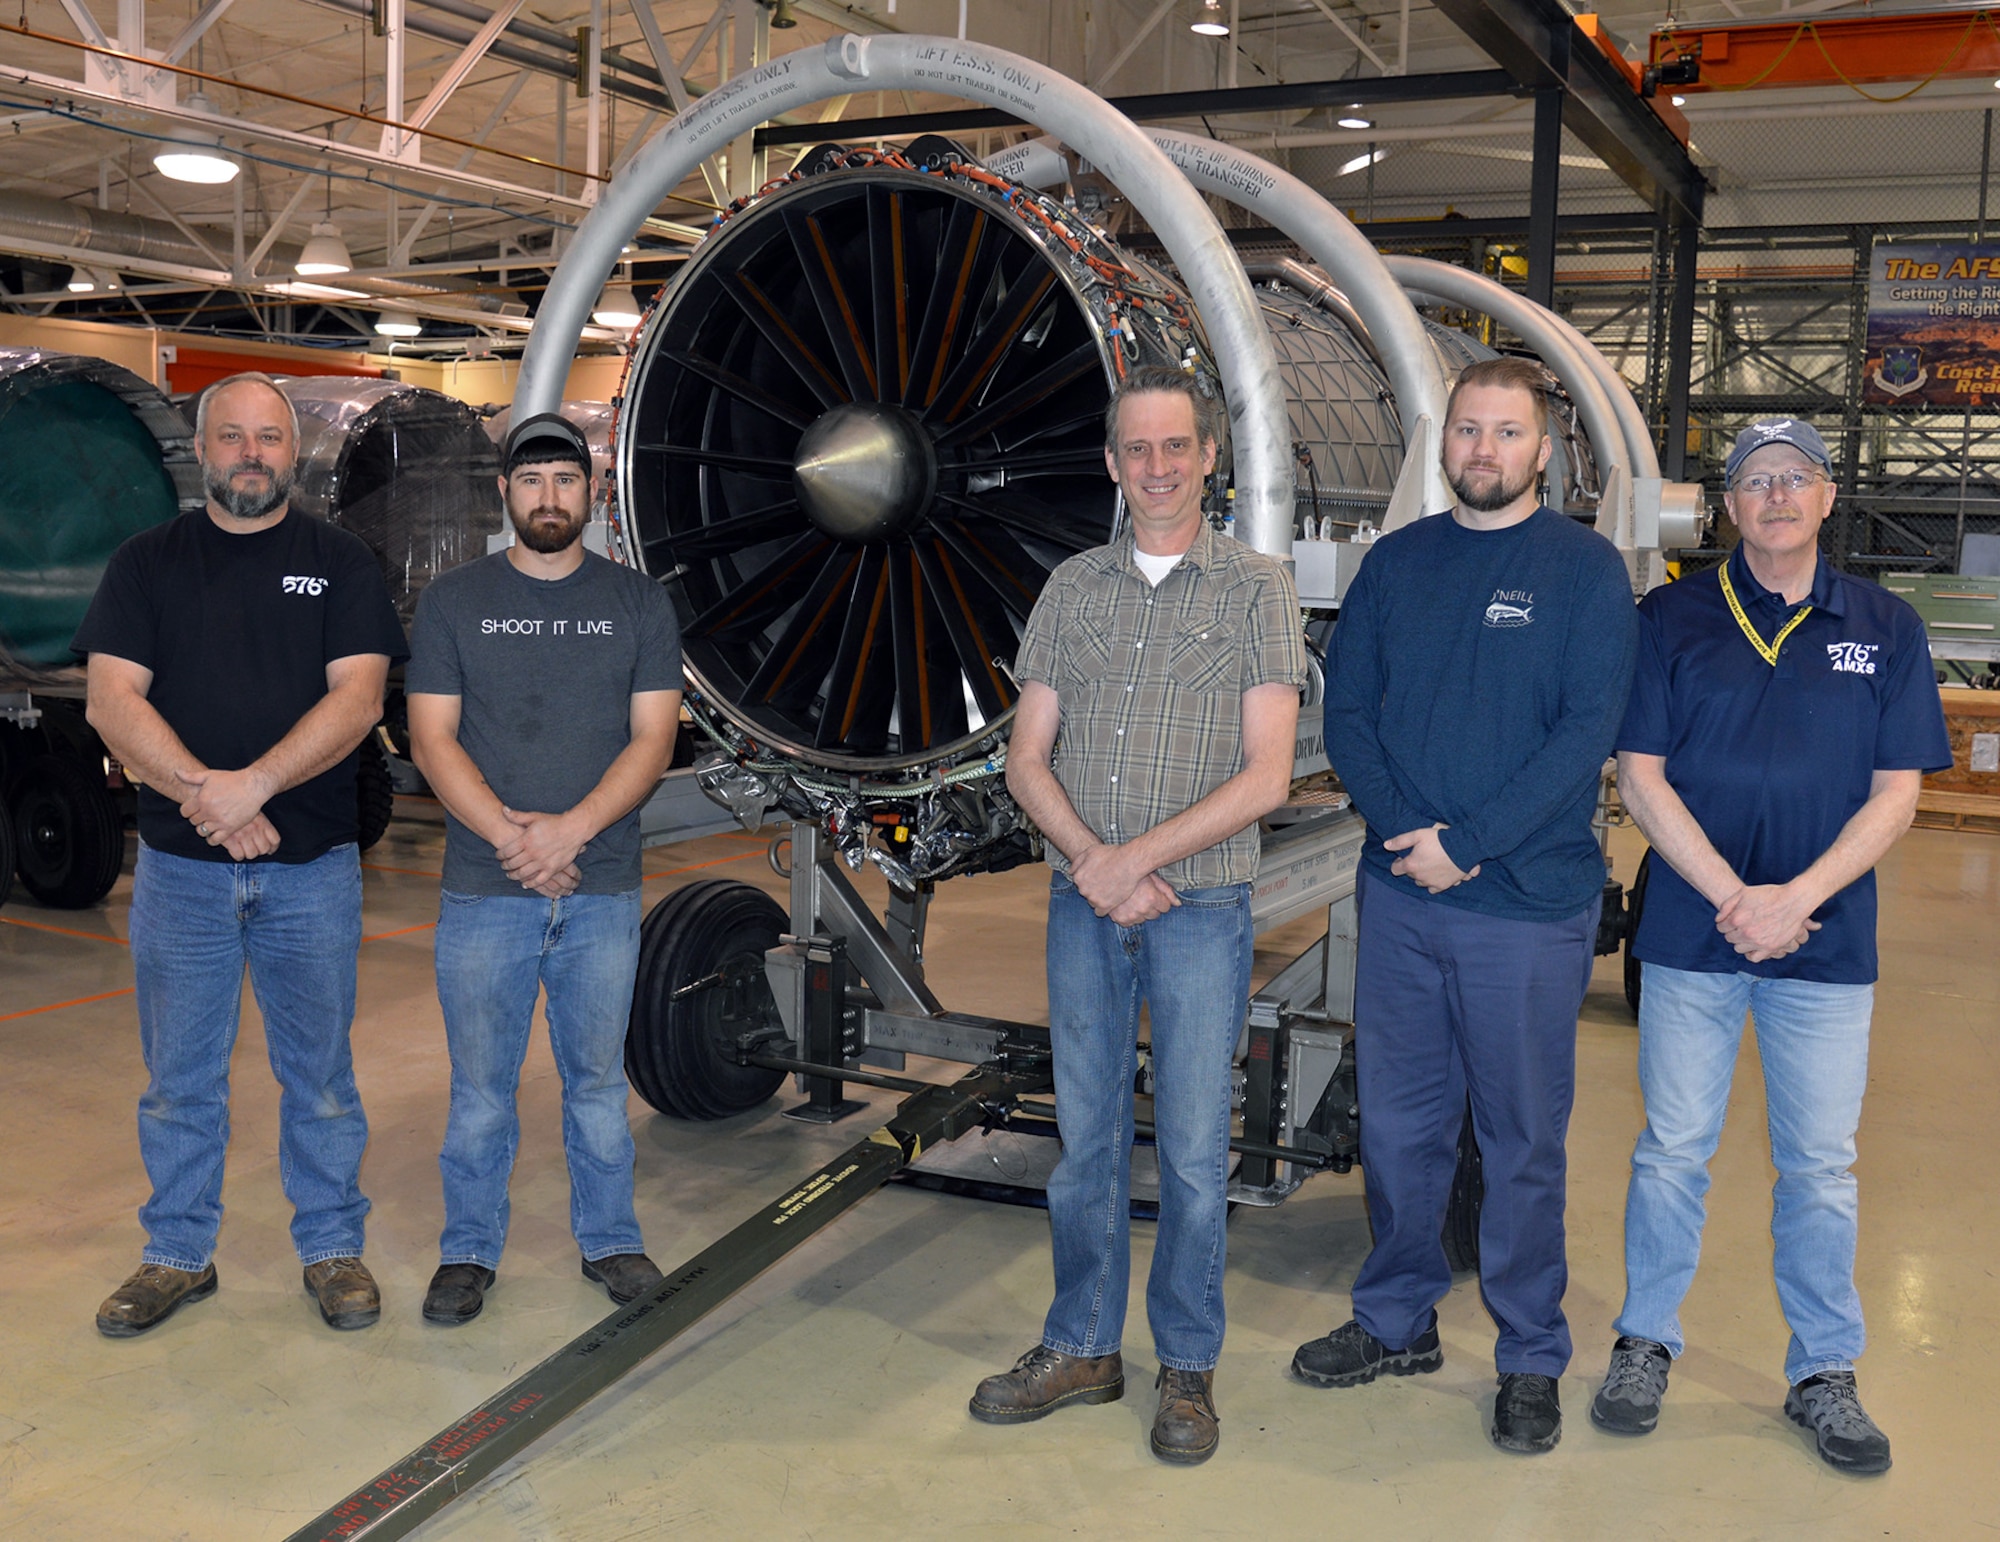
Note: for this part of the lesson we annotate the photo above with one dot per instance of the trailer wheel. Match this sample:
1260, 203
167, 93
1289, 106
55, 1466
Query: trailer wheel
6, 851
1468, 1196
69, 836
375, 794
1635, 901
678, 1052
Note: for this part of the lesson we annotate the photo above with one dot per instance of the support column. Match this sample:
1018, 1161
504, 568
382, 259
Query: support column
1542, 196
1680, 351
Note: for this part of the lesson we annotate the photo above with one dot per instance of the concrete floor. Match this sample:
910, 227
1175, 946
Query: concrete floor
828, 1400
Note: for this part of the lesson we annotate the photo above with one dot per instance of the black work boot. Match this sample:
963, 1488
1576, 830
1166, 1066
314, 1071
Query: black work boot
457, 1294
1044, 1380
1527, 1415
1351, 1356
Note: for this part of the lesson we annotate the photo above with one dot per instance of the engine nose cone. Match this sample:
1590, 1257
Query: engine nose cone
865, 470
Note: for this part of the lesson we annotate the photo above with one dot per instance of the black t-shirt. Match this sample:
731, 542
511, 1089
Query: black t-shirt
238, 631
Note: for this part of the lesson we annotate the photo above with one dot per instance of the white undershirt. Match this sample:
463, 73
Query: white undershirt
1156, 567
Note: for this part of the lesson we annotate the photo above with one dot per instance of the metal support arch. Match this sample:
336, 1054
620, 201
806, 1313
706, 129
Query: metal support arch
1243, 351
1350, 259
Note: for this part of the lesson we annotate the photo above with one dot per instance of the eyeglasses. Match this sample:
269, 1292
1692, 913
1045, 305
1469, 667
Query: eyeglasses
1760, 483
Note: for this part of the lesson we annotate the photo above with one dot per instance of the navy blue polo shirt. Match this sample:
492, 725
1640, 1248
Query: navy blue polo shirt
1772, 761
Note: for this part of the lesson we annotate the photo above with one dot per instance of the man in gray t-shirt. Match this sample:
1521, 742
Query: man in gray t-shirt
544, 688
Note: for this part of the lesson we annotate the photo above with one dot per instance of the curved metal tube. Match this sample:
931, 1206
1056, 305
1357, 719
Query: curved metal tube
1461, 286
1587, 373
1394, 329
1041, 96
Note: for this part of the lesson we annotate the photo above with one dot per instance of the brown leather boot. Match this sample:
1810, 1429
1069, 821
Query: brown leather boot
1185, 1428
345, 1291
150, 1297
1043, 1381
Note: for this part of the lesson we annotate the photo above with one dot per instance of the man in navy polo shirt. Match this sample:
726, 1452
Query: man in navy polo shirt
1782, 718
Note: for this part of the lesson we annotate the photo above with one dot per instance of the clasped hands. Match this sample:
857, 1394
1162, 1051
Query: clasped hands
1424, 860
226, 809
1766, 921
1119, 886
542, 853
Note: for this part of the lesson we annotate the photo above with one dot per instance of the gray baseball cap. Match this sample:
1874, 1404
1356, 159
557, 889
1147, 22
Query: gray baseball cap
1802, 437
553, 437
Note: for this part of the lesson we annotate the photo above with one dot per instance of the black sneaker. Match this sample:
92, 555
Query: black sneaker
1351, 1356
1629, 1401
1829, 1405
1527, 1415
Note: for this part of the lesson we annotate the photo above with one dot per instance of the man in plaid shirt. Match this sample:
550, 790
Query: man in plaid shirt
1159, 703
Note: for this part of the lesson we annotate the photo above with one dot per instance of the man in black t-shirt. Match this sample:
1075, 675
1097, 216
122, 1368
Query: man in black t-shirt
237, 659
544, 688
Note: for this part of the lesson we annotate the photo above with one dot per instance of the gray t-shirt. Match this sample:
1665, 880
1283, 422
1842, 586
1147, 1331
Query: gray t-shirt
545, 672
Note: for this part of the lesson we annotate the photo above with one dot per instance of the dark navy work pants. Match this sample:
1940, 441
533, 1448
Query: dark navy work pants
1448, 1001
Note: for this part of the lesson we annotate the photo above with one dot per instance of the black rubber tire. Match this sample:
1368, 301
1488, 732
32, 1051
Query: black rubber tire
1635, 901
677, 1052
69, 835
6, 851
374, 793
1467, 1199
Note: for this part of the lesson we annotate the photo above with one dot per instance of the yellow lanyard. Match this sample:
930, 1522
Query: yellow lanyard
1768, 651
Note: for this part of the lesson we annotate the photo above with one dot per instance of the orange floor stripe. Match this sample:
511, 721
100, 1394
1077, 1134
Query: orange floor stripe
57, 1006
63, 931
693, 866
401, 931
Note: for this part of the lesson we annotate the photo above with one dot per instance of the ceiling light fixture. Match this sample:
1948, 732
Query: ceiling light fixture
324, 253
1680, 101
617, 307
1212, 22
398, 323
1352, 119
194, 154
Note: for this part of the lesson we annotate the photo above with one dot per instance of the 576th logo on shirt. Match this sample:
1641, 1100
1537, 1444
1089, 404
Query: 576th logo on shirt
300, 585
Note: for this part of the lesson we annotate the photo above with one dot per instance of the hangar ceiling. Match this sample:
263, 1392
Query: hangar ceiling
462, 226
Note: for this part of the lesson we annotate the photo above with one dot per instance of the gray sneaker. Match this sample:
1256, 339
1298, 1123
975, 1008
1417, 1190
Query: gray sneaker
1629, 1401
1829, 1405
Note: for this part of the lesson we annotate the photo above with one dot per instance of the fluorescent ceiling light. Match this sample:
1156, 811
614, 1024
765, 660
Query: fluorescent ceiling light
1212, 22
398, 323
314, 292
1361, 161
324, 253
616, 307
192, 154
90, 281
1354, 120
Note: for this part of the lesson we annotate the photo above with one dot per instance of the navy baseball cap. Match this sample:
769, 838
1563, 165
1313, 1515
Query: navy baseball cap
1802, 437
546, 436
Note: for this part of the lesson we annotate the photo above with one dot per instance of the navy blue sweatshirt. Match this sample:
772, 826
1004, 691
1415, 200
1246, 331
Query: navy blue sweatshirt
1477, 678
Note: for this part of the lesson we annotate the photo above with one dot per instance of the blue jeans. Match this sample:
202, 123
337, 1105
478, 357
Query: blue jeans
1191, 968
298, 926
495, 953
1449, 1002
1813, 1040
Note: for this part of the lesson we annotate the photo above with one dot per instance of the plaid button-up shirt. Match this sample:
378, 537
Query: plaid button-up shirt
1151, 684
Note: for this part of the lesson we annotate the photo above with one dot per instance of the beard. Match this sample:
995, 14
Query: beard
535, 532
1497, 495
244, 505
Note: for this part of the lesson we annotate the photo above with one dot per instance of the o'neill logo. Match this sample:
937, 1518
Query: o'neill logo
1510, 607
296, 585
1852, 658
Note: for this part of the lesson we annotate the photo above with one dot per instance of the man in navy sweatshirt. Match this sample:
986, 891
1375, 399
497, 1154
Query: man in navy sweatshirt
1478, 675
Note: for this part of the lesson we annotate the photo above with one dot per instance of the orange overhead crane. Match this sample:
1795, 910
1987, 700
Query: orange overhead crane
1850, 51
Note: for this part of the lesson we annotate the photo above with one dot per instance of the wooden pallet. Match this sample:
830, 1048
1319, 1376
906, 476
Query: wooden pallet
1938, 810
